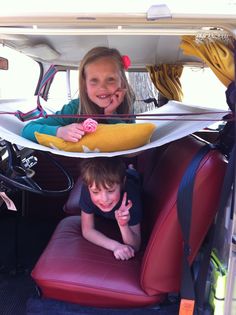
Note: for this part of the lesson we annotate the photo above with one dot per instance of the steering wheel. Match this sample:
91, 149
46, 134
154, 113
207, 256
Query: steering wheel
17, 175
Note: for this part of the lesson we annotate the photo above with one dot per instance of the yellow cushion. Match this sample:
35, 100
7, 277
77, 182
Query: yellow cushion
107, 138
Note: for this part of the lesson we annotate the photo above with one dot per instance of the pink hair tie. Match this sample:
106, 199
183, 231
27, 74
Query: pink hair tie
90, 125
126, 62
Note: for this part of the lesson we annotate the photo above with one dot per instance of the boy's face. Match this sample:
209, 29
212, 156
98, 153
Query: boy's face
105, 198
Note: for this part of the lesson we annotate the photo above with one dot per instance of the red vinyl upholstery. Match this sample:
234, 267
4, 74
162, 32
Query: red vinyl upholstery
74, 270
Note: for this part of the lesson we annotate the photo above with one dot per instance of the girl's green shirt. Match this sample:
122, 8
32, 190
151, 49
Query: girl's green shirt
50, 125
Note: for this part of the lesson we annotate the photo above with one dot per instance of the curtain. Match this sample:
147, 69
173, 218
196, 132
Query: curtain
166, 79
218, 54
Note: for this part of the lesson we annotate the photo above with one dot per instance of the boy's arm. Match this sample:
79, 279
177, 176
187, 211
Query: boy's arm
131, 235
120, 251
94, 236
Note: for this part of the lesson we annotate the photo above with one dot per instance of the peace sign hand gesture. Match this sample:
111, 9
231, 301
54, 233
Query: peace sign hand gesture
122, 214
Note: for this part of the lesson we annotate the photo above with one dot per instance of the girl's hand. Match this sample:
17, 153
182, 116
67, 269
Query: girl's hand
73, 132
116, 99
123, 252
122, 215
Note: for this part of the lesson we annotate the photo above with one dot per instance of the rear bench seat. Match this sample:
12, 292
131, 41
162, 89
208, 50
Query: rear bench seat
74, 270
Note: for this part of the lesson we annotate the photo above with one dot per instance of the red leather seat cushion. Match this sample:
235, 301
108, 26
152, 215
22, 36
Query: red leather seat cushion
73, 269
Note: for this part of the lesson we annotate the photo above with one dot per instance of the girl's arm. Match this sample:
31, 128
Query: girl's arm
120, 121
50, 125
116, 99
119, 250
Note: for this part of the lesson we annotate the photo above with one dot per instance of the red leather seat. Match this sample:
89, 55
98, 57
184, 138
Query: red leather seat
74, 270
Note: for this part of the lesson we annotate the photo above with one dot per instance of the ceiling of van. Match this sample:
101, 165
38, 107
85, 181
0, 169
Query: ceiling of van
64, 38
69, 50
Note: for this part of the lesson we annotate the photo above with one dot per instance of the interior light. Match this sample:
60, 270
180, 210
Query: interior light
159, 11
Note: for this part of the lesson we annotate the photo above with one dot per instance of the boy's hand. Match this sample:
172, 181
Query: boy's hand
123, 252
116, 99
73, 132
122, 215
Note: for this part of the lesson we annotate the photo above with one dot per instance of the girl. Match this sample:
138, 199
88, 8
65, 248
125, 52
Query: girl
104, 89
111, 191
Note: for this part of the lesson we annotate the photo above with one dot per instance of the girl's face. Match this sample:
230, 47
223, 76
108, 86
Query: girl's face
105, 198
102, 79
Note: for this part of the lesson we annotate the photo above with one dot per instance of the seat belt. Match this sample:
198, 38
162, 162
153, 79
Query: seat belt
184, 209
190, 294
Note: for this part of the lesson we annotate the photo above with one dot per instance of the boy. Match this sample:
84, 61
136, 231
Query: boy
109, 190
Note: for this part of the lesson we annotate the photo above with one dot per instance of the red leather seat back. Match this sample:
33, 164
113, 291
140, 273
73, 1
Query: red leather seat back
161, 265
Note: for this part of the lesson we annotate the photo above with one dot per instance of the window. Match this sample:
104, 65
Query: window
59, 88
140, 82
143, 89
201, 87
20, 80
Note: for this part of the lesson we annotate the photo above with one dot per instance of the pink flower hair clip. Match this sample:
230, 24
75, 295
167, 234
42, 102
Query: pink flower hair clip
126, 62
90, 125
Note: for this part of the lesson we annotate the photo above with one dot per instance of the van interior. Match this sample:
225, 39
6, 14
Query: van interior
187, 261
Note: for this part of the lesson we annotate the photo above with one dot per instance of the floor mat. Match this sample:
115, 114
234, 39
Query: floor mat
37, 306
14, 292
21, 242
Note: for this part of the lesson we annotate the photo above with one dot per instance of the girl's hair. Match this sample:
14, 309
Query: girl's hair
103, 171
86, 105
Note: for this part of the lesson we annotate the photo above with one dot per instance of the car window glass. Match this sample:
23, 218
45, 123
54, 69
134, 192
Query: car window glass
59, 88
20, 80
201, 87
143, 89
140, 82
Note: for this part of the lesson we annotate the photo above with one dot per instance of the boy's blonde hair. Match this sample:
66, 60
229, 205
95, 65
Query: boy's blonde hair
86, 105
103, 171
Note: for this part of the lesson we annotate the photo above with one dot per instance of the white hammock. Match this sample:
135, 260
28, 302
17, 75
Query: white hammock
166, 131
